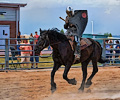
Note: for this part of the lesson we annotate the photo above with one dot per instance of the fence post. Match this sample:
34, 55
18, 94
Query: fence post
33, 53
6, 54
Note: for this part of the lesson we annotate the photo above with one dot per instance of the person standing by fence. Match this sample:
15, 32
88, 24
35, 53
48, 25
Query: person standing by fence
18, 49
32, 57
31, 38
32, 54
18, 37
25, 53
117, 47
111, 52
107, 49
36, 37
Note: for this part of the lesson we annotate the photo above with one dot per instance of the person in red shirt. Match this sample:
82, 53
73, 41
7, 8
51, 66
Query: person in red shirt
36, 37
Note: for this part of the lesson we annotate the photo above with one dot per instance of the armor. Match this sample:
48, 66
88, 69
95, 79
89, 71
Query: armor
79, 20
75, 24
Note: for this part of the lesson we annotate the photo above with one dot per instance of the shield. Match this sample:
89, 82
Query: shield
79, 20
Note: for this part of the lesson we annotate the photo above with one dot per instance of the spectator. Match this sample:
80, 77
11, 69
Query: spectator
18, 49
117, 47
107, 47
32, 58
22, 40
36, 37
25, 53
18, 36
111, 51
111, 47
31, 38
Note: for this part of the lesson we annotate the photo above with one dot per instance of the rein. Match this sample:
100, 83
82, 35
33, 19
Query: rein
56, 43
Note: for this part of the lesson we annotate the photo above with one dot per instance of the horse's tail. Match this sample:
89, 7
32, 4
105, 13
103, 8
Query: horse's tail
103, 60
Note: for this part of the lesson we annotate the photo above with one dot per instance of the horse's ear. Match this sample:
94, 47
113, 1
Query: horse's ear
40, 30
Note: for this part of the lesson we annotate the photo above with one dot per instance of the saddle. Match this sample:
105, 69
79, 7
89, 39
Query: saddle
84, 43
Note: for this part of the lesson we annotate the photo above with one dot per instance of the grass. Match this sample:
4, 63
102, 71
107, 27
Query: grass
43, 62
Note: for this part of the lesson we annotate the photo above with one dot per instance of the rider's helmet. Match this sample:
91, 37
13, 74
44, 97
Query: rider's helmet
69, 11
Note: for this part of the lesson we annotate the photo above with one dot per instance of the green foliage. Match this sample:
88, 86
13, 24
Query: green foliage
108, 34
62, 31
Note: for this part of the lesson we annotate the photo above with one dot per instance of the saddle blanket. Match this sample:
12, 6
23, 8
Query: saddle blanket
84, 43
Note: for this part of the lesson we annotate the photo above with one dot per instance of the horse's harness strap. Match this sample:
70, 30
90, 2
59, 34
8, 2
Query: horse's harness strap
55, 43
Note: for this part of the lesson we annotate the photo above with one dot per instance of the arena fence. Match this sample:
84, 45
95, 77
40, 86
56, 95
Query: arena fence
112, 51
10, 58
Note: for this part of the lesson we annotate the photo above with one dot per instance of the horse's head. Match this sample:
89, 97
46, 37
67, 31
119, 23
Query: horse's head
43, 41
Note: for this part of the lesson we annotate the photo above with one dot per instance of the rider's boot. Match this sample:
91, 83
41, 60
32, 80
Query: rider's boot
77, 51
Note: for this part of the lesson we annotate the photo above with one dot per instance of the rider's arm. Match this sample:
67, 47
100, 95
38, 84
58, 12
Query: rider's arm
66, 23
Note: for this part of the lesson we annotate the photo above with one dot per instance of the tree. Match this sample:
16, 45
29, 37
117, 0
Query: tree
108, 34
62, 31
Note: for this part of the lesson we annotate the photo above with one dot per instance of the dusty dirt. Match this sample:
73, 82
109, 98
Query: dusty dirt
35, 85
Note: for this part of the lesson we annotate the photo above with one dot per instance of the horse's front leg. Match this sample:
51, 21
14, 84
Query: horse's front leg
70, 81
53, 84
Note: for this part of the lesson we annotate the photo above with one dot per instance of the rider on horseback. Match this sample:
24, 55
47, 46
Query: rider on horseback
75, 24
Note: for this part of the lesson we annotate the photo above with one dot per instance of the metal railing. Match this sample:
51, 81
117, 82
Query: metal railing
7, 61
111, 52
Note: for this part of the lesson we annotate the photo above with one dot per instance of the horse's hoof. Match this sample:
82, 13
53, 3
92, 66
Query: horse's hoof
72, 81
88, 84
53, 89
80, 90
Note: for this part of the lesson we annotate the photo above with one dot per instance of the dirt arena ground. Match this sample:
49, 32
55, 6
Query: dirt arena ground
35, 85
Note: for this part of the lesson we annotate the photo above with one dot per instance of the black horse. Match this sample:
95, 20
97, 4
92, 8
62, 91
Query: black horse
64, 55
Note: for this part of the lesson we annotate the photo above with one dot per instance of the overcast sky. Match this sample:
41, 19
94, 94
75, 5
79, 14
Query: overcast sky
45, 14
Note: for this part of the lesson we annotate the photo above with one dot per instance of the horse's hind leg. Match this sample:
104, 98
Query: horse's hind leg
70, 81
55, 68
95, 70
84, 70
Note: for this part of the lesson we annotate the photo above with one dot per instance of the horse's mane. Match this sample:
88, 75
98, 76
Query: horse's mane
55, 35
